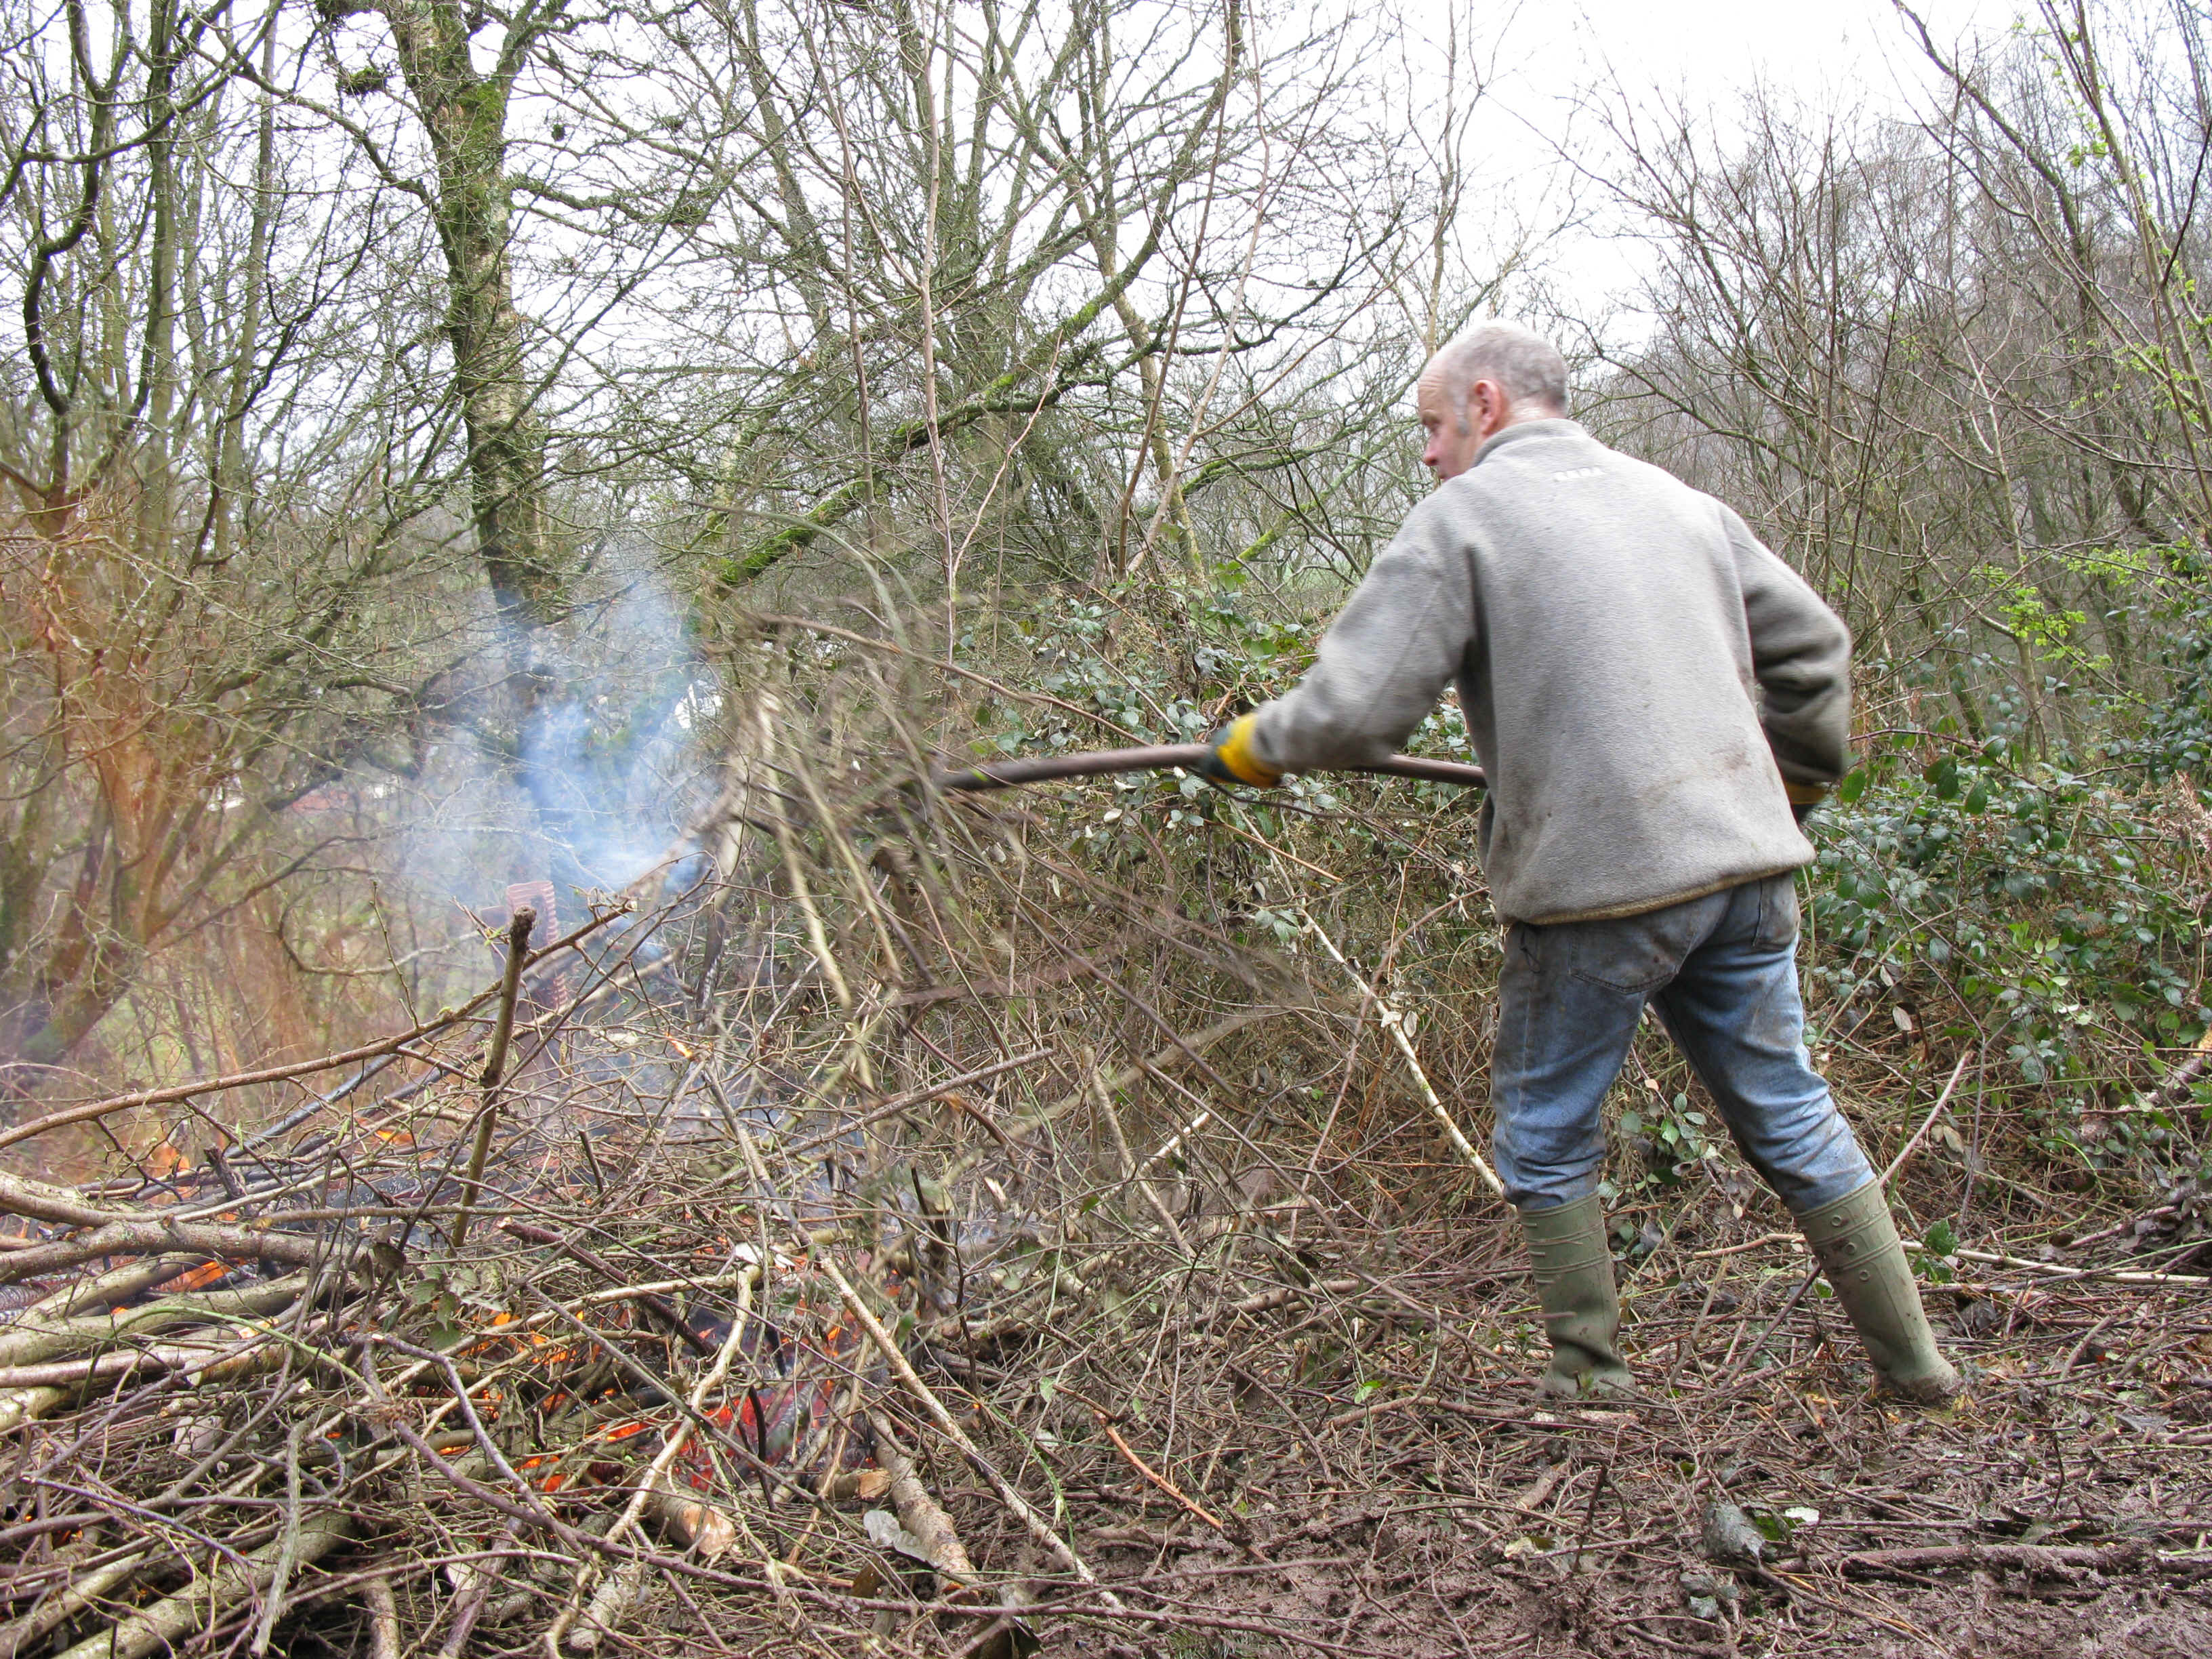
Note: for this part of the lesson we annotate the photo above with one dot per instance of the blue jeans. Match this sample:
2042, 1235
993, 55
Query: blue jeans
1722, 971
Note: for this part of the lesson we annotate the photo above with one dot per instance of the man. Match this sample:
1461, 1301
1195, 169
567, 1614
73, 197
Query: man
1657, 699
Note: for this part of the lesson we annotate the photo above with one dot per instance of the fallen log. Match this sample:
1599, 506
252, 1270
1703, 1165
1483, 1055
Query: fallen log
148, 1235
128, 1232
693, 1523
201, 1363
54, 1610
22, 1405
29, 1342
112, 1288
42, 1200
100, 1368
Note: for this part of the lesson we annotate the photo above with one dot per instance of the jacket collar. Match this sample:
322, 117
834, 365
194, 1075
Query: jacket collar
1557, 426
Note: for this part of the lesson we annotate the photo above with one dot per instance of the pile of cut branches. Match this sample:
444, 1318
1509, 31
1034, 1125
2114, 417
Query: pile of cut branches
924, 1230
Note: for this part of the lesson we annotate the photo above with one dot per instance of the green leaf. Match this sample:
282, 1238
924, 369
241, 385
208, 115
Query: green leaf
1853, 786
1941, 1239
1978, 798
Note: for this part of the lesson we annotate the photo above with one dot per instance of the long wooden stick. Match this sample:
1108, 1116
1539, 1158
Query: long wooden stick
2053, 1270
1129, 1456
1158, 757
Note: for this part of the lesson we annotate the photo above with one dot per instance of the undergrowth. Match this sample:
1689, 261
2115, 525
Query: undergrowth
1979, 892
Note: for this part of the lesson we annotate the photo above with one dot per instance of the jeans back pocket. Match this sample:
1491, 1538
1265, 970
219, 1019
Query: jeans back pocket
1628, 956
1777, 912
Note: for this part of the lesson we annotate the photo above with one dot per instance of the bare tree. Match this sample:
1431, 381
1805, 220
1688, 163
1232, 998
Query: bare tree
200, 633
1945, 362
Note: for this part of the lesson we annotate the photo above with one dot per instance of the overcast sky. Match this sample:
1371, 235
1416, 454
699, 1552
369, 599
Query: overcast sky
1712, 47
1854, 55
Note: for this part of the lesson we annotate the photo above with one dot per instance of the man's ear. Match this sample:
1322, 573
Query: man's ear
1470, 407
1486, 404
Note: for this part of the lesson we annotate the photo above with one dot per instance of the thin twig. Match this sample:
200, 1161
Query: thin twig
1926, 1124
1394, 1021
1129, 1456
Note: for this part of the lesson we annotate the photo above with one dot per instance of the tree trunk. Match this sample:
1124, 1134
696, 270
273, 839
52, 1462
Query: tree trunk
464, 113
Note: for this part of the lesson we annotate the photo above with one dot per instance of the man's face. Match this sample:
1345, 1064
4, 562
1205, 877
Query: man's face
1453, 429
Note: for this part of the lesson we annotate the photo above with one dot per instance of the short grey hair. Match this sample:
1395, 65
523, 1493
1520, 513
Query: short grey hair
1526, 365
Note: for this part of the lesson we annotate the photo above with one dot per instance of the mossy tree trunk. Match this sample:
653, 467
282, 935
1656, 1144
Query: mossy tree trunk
463, 111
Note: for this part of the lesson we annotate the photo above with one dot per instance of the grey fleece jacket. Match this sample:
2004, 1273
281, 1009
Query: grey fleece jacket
1637, 672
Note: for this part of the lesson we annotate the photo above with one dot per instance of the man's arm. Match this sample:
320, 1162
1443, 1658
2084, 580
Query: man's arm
1384, 660
1801, 653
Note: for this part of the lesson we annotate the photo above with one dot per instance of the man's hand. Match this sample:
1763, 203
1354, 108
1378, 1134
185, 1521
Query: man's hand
1804, 796
1232, 759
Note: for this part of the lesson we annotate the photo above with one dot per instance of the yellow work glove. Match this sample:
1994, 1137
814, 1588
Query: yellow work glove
1232, 759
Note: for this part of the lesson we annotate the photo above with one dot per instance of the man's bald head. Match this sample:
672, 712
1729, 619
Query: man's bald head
1492, 376
1524, 364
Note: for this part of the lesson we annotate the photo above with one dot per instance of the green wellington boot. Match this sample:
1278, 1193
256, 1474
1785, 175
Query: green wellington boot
1582, 1310
1857, 1245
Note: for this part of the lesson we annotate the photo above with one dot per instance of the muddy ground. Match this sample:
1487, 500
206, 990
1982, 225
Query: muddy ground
2063, 1508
